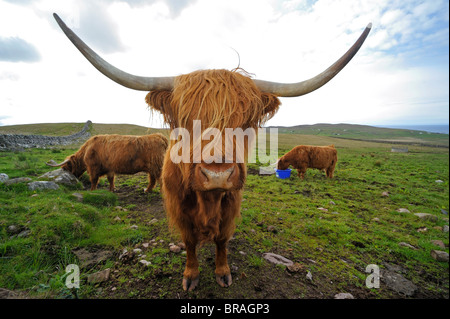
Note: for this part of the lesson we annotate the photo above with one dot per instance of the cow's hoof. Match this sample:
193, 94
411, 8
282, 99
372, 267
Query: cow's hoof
190, 284
224, 281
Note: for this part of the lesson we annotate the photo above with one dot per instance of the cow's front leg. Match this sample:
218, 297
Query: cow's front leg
223, 274
191, 273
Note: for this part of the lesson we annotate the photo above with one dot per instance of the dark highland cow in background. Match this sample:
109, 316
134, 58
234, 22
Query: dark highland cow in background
303, 157
118, 154
203, 199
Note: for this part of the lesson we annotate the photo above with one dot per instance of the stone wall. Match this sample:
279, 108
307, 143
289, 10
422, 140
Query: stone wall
10, 142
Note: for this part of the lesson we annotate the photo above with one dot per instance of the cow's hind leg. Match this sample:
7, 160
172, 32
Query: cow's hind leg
151, 183
110, 177
94, 180
191, 272
223, 274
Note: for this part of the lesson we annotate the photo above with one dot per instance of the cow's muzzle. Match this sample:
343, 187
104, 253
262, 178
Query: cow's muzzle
217, 176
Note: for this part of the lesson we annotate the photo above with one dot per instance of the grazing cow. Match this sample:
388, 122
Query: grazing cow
118, 154
305, 156
202, 199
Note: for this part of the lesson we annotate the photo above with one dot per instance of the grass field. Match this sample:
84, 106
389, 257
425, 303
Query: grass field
332, 228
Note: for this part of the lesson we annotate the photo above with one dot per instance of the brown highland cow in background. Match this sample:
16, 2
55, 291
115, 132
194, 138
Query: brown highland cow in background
118, 154
304, 156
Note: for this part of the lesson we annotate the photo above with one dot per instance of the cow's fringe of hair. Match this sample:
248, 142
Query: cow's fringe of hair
219, 98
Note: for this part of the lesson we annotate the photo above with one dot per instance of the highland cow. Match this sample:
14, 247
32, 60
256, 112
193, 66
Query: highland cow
203, 199
303, 157
118, 154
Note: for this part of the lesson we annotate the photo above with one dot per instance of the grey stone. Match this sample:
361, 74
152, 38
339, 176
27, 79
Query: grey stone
60, 176
344, 295
3, 177
439, 255
100, 276
403, 210
89, 259
403, 244
42, 185
277, 259
175, 248
398, 283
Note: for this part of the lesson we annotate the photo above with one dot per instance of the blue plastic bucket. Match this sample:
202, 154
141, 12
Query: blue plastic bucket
283, 173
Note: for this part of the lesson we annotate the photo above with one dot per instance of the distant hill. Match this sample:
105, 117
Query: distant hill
369, 133
342, 131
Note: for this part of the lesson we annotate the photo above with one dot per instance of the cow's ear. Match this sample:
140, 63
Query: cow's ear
161, 101
271, 104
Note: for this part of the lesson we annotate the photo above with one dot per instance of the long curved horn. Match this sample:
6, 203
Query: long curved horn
57, 165
126, 79
305, 87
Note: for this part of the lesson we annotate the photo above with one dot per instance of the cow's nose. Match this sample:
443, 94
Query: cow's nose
217, 176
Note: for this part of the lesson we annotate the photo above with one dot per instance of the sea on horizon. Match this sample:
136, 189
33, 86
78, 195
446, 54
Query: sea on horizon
443, 129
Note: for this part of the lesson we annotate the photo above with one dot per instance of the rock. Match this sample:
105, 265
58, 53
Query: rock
439, 243
42, 185
134, 227
344, 295
277, 259
323, 209
89, 259
439, 255
154, 220
403, 244
117, 219
181, 245
439, 181
295, 267
425, 216
309, 276
422, 229
243, 253
17, 180
100, 276
398, 283
385, 194
175, 249
3, 177
332, 203
13, 230
445, 229
403, 210
24, 234
376, 219
78, 196
60, 176
443, 211
145, 245
145, 262
137, 250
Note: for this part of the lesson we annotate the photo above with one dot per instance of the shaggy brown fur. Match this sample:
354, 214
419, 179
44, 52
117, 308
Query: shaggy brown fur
119, 154
220, 99
304, 156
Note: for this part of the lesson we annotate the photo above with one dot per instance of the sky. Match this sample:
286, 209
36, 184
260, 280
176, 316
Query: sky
399, 76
